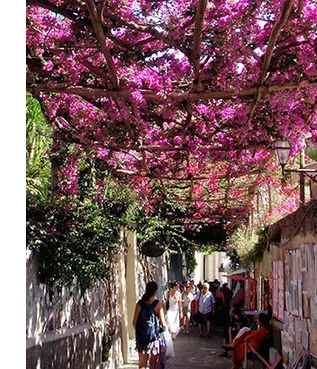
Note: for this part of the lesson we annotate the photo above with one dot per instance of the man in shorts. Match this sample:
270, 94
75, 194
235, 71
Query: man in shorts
206, 309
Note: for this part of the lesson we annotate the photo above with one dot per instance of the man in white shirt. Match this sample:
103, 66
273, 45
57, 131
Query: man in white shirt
206, 308
194, 308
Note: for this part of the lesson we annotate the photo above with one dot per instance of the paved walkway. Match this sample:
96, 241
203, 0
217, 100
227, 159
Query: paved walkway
193, 352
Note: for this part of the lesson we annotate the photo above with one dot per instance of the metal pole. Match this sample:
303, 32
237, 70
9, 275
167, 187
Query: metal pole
302, 177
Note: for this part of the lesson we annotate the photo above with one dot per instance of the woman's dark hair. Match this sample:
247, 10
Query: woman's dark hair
264, 319
150, 290
173, 284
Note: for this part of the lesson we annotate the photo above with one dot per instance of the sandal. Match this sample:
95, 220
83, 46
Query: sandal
202, 335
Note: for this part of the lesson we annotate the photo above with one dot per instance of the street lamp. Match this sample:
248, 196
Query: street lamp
282, 150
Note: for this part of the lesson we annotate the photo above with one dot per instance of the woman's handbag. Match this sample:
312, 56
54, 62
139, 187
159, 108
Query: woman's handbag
170, 352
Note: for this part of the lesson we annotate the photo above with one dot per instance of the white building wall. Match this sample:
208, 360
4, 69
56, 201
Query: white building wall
213, 262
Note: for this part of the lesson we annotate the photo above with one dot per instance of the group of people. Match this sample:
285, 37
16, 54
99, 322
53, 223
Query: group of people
207, 304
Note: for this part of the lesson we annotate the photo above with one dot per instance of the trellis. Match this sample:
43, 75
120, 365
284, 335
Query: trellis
101, 22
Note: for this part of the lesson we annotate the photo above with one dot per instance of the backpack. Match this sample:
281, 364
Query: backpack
148, 324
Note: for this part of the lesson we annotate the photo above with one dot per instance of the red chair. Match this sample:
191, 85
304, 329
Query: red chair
255, 355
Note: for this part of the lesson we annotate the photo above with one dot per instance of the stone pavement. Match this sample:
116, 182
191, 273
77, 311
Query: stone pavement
192, 352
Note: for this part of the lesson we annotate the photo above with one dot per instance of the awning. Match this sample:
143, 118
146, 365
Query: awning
237, 275
238, 271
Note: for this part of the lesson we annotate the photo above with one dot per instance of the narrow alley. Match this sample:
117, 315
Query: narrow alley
171, 175
191, 351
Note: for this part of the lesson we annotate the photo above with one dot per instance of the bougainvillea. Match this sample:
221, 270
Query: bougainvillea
186, 96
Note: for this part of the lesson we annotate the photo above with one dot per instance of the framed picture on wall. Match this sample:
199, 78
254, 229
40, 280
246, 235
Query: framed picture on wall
278, 290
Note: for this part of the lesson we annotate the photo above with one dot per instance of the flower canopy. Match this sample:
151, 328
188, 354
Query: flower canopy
183, 99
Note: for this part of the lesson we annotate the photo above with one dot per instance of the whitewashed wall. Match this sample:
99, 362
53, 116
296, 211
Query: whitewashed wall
212, 265
65, 330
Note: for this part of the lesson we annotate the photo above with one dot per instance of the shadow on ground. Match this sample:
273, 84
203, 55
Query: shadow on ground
193, 352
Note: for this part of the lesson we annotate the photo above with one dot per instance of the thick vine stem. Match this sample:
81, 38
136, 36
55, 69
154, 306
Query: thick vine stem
103, 42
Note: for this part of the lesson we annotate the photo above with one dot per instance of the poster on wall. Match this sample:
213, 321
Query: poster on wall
300, 300
300, 291
313, 327
310, 269
306, 305
278, 289
303, 258
288, 301
315, 275
294, 298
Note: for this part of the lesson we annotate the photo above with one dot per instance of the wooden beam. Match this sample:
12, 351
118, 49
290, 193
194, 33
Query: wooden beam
174, 96
187, 179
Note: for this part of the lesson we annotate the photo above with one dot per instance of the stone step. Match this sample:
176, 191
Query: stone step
133, 357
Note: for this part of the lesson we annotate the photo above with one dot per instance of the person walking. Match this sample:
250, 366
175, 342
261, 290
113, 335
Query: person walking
206, 308
173, 308
187, 299
226, 313
219, 310
149, 324
194, 306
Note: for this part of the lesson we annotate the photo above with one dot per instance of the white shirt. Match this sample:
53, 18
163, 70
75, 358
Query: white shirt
194, 291
187, 299
205, 302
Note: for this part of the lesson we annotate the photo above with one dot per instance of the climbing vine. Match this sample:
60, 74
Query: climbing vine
247, 246
78, 240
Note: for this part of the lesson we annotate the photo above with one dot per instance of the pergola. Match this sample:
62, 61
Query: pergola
189, 96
